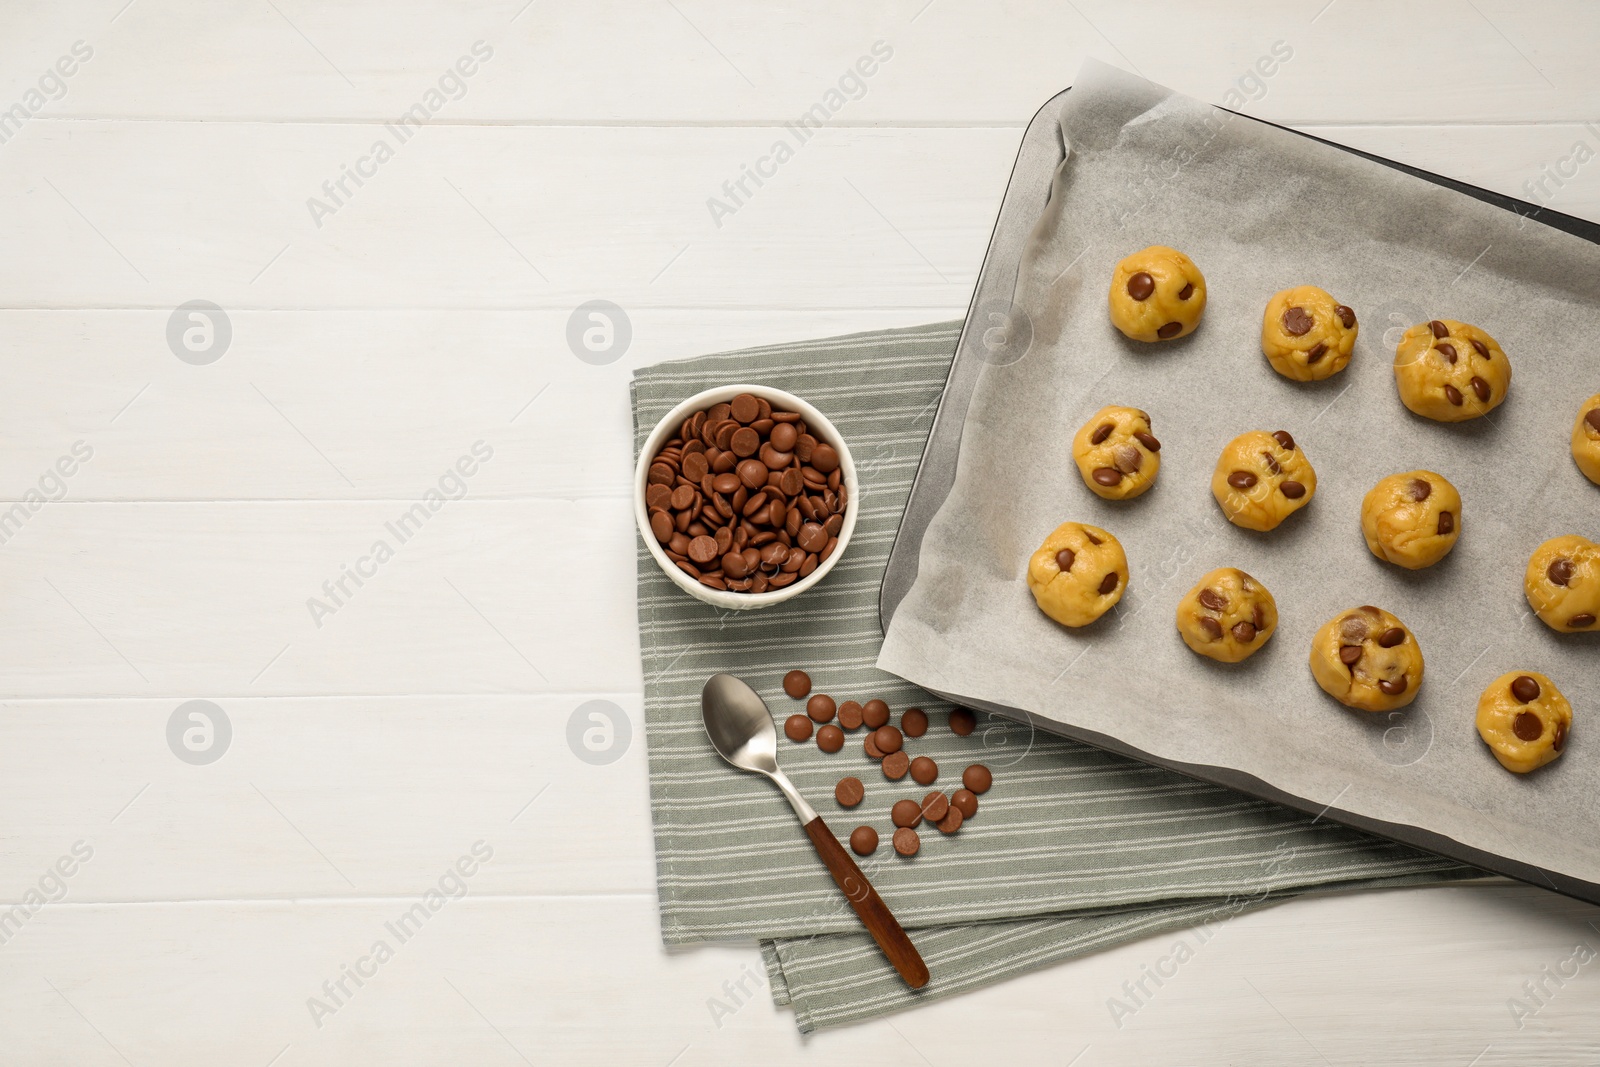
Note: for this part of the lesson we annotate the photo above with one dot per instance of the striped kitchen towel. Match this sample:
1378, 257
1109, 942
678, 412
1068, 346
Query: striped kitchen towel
1071, 850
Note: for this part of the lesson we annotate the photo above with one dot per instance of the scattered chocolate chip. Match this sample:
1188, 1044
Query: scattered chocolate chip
821, 707
1348, 654
914, 722
1439, 329
1187, 291
830, 738
1126, 458
797, 727
1211, 626
924, 771
1093, 540
1581, 621
906, 841
1064, 559
1347, 316
962, 722
888, 739
1317, 352
1391, 637
965, 801
1527, 726
977, 778
934, 806
1420, 488
1153, 445
1480, 388
951, 822
1244, 632
1272, 464
1283, 438
1108, 583
1101, 432
1393, 687
1106, 476
1525, 689
1141, 285
1482, 349
1447, 523
1560, 740
850, 715
1447, 350
1560, 571
1170, 330
1452, 394
1241, 479
1213, 599
849, 792
1292, 489
906, 813
864, 840
870, 747
875, 713
895, 765
1297, 322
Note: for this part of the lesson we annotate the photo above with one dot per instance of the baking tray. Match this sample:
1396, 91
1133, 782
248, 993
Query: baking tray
992, 335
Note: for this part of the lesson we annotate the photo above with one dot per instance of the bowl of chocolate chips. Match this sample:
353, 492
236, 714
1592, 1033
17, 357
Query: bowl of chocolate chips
746, 495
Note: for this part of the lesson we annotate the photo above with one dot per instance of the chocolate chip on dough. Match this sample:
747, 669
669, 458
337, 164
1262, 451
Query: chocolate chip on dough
1525, 689
1141, 285
1297, 322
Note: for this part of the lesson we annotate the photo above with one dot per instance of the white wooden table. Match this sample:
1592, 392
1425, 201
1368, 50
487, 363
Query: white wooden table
366, 343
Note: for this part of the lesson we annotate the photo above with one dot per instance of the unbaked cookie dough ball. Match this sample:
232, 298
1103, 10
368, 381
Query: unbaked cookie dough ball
1524, 720
1450, 371
1562, 583
1227, 616
1116, 453
1262, 478
1366, 659
1078, 574
1157, 294
1412, 520
1307, 335
1586, 439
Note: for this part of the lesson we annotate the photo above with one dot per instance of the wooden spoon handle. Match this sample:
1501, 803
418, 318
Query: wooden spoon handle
874, 913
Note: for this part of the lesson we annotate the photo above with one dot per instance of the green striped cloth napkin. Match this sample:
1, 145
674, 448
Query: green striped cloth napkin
1073, 849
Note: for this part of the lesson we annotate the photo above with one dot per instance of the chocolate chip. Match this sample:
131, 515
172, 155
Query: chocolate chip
1126, 458
870, 747
744, 442
1348, 654
1560, 571
797, 684
830, 738
661, 526
1482, 349
1093, 540
1186, 292
821, 708
914, 722
1525, 689
1244, 632
1593, 419
1447, 350
1353, 628
864, 840
1452, 394
1064, 559
813, 538
1581, 621
1439, 329
875, 713
1420, 488
1292, 489
797, 727
895, 765
934, 806
1297, 322
965, 801
1391, 637
1527, 726
1241, 479
703, 549
962, 722
1153, 445
1213, 599
1560, 740
825, 458
1316, 353
951, 822
1283, 438
1447, 523
849, 792
1141, 285
906, 841
1259, 615
1108, 583
906, 813
1272, 464
924, 771
784, 436
888, 739
1393, 687
1170, 330
850, 715
977, 778
1480, 388
1106, 476
1211, 626
1347, 317
1101, 432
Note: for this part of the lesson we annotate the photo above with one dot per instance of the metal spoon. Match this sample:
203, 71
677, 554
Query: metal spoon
742, 731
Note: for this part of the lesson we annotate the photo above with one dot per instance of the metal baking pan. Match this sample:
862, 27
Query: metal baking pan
991, 334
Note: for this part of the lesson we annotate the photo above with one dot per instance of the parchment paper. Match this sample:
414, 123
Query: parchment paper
1259, 210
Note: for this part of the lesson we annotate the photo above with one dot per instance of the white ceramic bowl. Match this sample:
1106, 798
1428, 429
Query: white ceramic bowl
819, 426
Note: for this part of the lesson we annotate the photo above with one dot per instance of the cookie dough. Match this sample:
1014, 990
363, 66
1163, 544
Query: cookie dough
1524, 720
1227, 616
1262, 478
1450, 371
1562, 583
1307, 335
1078, 574
1366, 659
1586, 439
1157, 294
1116, 453
1413, 519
